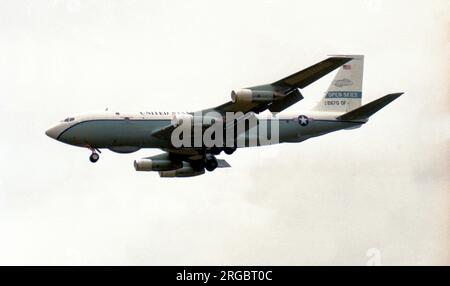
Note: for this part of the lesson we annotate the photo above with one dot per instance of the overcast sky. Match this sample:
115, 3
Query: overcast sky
325, 201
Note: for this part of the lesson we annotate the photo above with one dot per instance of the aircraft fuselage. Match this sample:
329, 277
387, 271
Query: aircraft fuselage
128, 132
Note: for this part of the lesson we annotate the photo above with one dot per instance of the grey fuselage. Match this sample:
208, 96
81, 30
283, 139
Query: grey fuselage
129, 132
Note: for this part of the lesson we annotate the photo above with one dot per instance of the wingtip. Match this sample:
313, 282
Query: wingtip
340, 60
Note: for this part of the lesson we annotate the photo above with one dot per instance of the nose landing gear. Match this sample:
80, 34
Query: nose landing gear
94, 157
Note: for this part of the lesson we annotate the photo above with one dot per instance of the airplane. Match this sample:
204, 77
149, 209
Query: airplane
126, 132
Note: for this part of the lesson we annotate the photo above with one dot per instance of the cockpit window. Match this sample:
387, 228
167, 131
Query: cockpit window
69, 119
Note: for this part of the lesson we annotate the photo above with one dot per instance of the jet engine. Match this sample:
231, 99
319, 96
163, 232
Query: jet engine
160, 162
249, 95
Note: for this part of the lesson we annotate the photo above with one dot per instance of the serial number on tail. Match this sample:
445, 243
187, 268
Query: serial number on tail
335, 102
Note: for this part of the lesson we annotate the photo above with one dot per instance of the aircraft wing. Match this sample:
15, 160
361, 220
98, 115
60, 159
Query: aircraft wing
276, 96
164, 132
284, 91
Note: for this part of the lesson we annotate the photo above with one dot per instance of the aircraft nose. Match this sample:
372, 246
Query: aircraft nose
52, 132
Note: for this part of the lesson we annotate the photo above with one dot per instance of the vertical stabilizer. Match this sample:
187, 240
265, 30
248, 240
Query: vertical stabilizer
345, 91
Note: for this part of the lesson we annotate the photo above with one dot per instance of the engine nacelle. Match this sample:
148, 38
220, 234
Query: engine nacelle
161, 162
185, 171
249, 96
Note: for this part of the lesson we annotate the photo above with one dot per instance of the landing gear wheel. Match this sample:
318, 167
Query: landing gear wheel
94, 157
216, 150
229, 150
211, 163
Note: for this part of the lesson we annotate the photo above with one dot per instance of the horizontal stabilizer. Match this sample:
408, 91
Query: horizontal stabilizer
365, 111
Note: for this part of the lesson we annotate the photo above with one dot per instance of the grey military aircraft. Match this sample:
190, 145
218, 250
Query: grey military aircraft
253, 117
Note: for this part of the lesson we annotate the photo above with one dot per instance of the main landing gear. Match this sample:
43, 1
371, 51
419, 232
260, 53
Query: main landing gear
228, 150
210, 162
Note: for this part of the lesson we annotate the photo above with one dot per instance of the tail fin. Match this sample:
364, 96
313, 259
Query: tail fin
345, 91
367, 110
